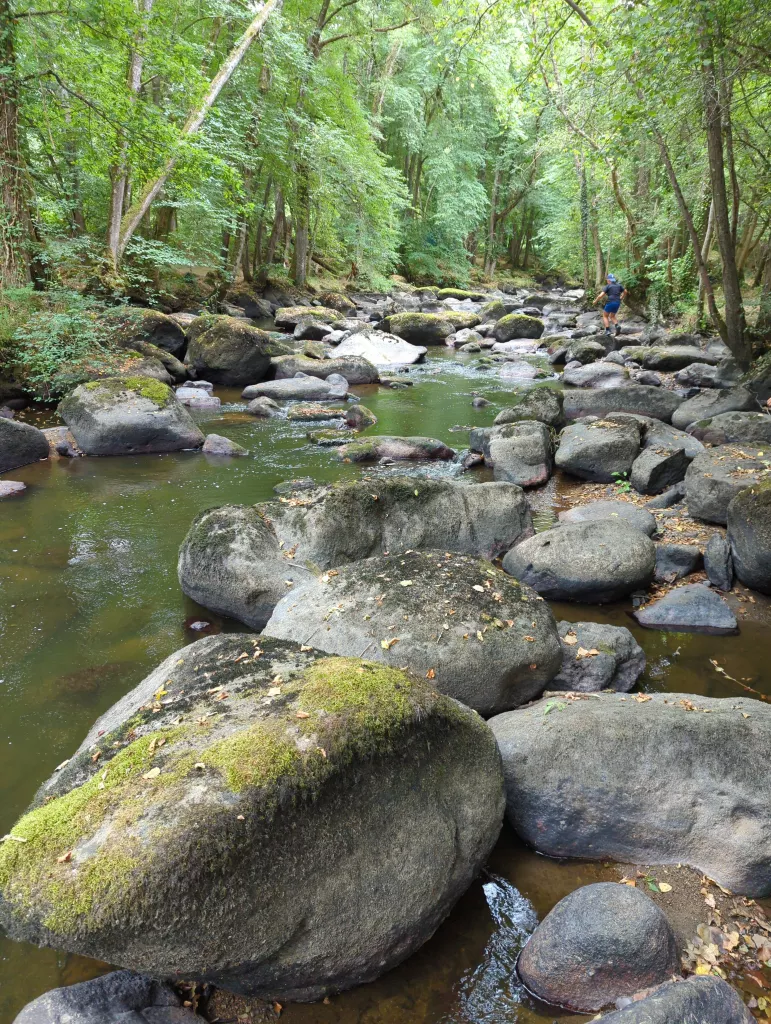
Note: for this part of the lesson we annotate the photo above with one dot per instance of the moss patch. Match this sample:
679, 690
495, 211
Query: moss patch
155, 391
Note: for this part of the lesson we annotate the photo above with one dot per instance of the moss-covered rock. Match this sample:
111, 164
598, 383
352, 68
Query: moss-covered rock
338, 301
712, 403
494, 310
539, 403
461, 319
128, 415
355, 369
20, 445
359, 518
517, 325
459, 293
258, 815
396, 449
668, 359
753, 428
584, 351
228, 351
421, 328
480, 636
288, 317
131, 326
749, 534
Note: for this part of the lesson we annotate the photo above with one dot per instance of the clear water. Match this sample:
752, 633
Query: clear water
89, 603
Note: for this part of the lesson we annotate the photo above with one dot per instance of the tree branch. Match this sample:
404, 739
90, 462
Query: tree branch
351, 35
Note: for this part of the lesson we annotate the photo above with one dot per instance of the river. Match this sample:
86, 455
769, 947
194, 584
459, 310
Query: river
89, 603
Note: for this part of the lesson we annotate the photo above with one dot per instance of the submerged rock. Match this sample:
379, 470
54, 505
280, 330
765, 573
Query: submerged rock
598, 657
693, 608
591, 562
20, 445
228, 351
262, 755
648, 780
479, 635
127, 416
10, 488
697, 1000
749, 534
122, 997
264, 407
600, 943
398, 449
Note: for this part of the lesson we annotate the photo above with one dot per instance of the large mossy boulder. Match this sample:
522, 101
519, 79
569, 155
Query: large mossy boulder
734, 428
642, 399
20, 445
716, 476
228, 351
355, 369
648, 780
357, 519
462, 295
589, 562
231, 563
517, 325
258, 815
339, 302
288, 317
132, 326
128, 416
478, 634
600, 943
713, 403
421, 328
749, 534
461, 319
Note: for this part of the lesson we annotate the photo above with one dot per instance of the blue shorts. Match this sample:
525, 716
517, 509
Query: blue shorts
612, 307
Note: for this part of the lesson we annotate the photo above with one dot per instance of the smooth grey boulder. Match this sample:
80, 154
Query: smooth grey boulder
385, 351
539, 403
517, 325
122, 997
705, 375
674, 561
299, 387
697, 1000
216, 444
585, 351
520, 453
718, 562
197, 398
274, 753
288, 317
599, 451
668, 359
714, 403
692, 608
749, 534
355, 369
20, 445
649, 377
311, 329
656, 469
616, 511
595, 375
231, 563
644, 781
227, 351
590, 562
657, 434
263, 407
520, 371
421, 328
716, 477
600, 943
752, 428
638, 398
480, 636
128, 416
671, 496
357, 519
598, 657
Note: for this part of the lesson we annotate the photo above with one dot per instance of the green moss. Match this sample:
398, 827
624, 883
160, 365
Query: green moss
371, 696
257, 757
459, 293
515, 318
146, 387
460, 319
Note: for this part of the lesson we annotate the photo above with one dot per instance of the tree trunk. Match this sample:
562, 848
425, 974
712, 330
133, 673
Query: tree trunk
119, 172
763, 323
732, 295
15, 218
584, 199
489, 267
143, 202
599, 259
301, 218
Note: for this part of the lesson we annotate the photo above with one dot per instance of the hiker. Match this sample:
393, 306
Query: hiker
614, 293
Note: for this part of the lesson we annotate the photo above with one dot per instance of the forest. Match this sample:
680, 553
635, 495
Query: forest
147, 143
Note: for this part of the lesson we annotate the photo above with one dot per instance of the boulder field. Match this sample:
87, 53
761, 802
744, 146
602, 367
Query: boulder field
348, 801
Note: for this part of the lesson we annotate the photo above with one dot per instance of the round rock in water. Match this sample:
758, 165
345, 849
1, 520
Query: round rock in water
590, 562
20, 445
598, 657
275, 821
617, 511
693, 608
121, 997
749, 534
8, 488
479, 635
601, 942
694, 1001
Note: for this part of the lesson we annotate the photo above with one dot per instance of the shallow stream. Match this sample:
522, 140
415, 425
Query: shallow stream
89, 603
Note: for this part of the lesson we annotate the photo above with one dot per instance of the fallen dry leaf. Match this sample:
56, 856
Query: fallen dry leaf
65, 858
152, 774
302, 714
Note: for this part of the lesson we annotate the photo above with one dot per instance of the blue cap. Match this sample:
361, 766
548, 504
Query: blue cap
612, 277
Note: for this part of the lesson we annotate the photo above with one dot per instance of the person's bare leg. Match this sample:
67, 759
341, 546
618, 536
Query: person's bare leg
605, 319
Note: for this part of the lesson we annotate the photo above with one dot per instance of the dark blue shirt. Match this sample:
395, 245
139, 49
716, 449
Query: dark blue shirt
614, 291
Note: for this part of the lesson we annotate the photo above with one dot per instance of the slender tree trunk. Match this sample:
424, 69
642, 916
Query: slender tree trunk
15, 217
489, 267
747, 243
584, 201
133, 217
599, 259
732, 294
301, 218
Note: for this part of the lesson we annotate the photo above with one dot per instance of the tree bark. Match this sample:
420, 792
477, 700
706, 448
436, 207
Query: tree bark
301, 218
133, 218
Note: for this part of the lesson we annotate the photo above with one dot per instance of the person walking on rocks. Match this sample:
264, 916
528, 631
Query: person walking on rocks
614, 293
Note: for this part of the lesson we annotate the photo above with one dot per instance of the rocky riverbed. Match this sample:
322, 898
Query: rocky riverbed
402, 492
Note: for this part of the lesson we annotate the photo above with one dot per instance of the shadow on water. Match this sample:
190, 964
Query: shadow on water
89, 603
